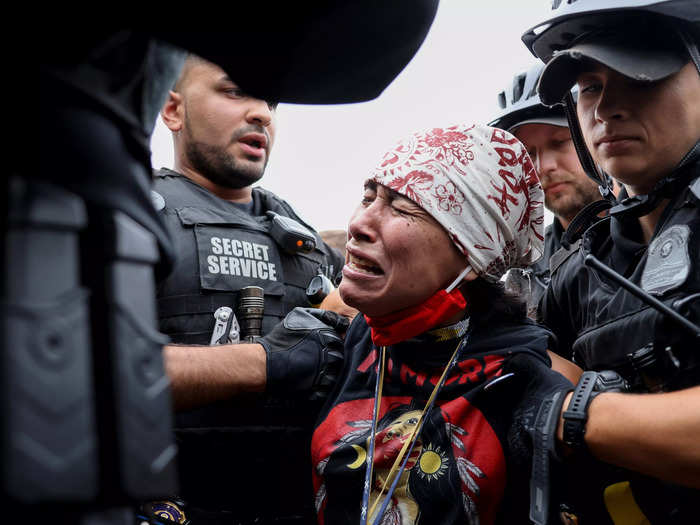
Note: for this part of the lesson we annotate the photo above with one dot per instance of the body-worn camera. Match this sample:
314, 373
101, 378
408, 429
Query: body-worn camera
290, 235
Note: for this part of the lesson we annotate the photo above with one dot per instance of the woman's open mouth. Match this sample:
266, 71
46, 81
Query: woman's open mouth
363, 265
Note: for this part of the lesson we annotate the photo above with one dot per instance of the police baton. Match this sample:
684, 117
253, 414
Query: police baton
592, 261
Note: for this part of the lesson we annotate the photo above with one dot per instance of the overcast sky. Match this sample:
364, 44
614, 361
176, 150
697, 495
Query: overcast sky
322, 154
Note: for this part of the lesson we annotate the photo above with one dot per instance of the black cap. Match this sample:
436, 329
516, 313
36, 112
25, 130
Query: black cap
640, 57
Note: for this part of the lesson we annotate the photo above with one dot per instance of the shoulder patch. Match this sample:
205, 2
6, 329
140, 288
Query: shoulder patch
158, 200
561, 255
668, 260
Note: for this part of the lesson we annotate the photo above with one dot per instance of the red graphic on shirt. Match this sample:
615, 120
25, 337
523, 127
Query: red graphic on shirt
468, 371
370, 360
464, 443
468, 444
389, 441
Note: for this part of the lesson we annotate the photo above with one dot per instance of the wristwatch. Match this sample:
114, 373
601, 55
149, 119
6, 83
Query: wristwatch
589, 386
576, 413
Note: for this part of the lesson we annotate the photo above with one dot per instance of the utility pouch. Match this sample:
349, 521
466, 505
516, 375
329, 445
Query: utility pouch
48, 434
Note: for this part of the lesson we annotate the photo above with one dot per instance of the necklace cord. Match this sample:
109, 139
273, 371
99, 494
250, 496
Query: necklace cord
401, 459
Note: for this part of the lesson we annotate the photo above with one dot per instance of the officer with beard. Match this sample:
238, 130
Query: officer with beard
232, 469
567, 190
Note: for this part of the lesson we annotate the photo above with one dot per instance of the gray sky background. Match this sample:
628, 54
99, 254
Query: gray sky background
322, 154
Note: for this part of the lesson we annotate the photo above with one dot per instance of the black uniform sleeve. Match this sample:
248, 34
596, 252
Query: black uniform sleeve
554, 314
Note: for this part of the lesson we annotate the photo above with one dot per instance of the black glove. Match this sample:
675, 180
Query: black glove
541, 393
305, 353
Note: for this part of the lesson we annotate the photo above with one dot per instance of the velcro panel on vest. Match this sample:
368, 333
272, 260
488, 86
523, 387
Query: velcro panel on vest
231, 259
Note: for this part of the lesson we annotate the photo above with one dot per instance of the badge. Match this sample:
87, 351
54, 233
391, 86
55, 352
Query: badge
166, 510
668, 261
158, 200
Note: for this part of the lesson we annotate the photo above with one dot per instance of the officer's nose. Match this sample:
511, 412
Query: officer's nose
545, 163
259, 112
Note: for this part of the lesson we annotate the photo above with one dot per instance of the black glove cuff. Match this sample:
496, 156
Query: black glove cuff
576, 414
275, 369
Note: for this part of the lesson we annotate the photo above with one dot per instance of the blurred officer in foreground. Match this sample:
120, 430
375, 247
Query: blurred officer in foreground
226, 240
85, 427
567, 190
637, 68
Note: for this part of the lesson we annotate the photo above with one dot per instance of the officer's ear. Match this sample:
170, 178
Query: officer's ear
172, 111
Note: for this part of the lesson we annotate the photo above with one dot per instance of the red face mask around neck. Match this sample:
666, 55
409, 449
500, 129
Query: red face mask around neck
414, 320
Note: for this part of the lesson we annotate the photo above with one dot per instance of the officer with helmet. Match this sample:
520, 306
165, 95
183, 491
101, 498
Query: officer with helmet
545, 133
637, 119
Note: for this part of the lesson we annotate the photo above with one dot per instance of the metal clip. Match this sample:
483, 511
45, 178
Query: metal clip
226, 329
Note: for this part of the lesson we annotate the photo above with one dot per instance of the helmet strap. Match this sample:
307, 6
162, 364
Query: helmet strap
587, 163
667, 187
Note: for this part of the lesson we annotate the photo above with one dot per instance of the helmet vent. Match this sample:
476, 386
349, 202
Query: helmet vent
502, 100
518, 87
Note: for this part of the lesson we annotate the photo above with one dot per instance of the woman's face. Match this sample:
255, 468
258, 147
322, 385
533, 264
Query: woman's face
397, 254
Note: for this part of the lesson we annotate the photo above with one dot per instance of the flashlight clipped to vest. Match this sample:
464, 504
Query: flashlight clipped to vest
251, 308
246, 327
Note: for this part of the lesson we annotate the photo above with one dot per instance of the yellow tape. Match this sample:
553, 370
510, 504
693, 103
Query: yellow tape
621, 505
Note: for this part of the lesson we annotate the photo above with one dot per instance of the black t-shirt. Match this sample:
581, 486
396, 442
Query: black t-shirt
461, 466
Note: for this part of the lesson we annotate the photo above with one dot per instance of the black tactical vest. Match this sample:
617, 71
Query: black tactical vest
247, 458
599, 324
220, 249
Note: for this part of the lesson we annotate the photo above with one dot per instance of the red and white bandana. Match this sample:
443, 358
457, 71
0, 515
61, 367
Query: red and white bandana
479, 183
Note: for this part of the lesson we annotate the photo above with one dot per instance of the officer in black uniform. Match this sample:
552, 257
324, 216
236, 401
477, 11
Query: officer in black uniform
545, 133
232, 469
637, 70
